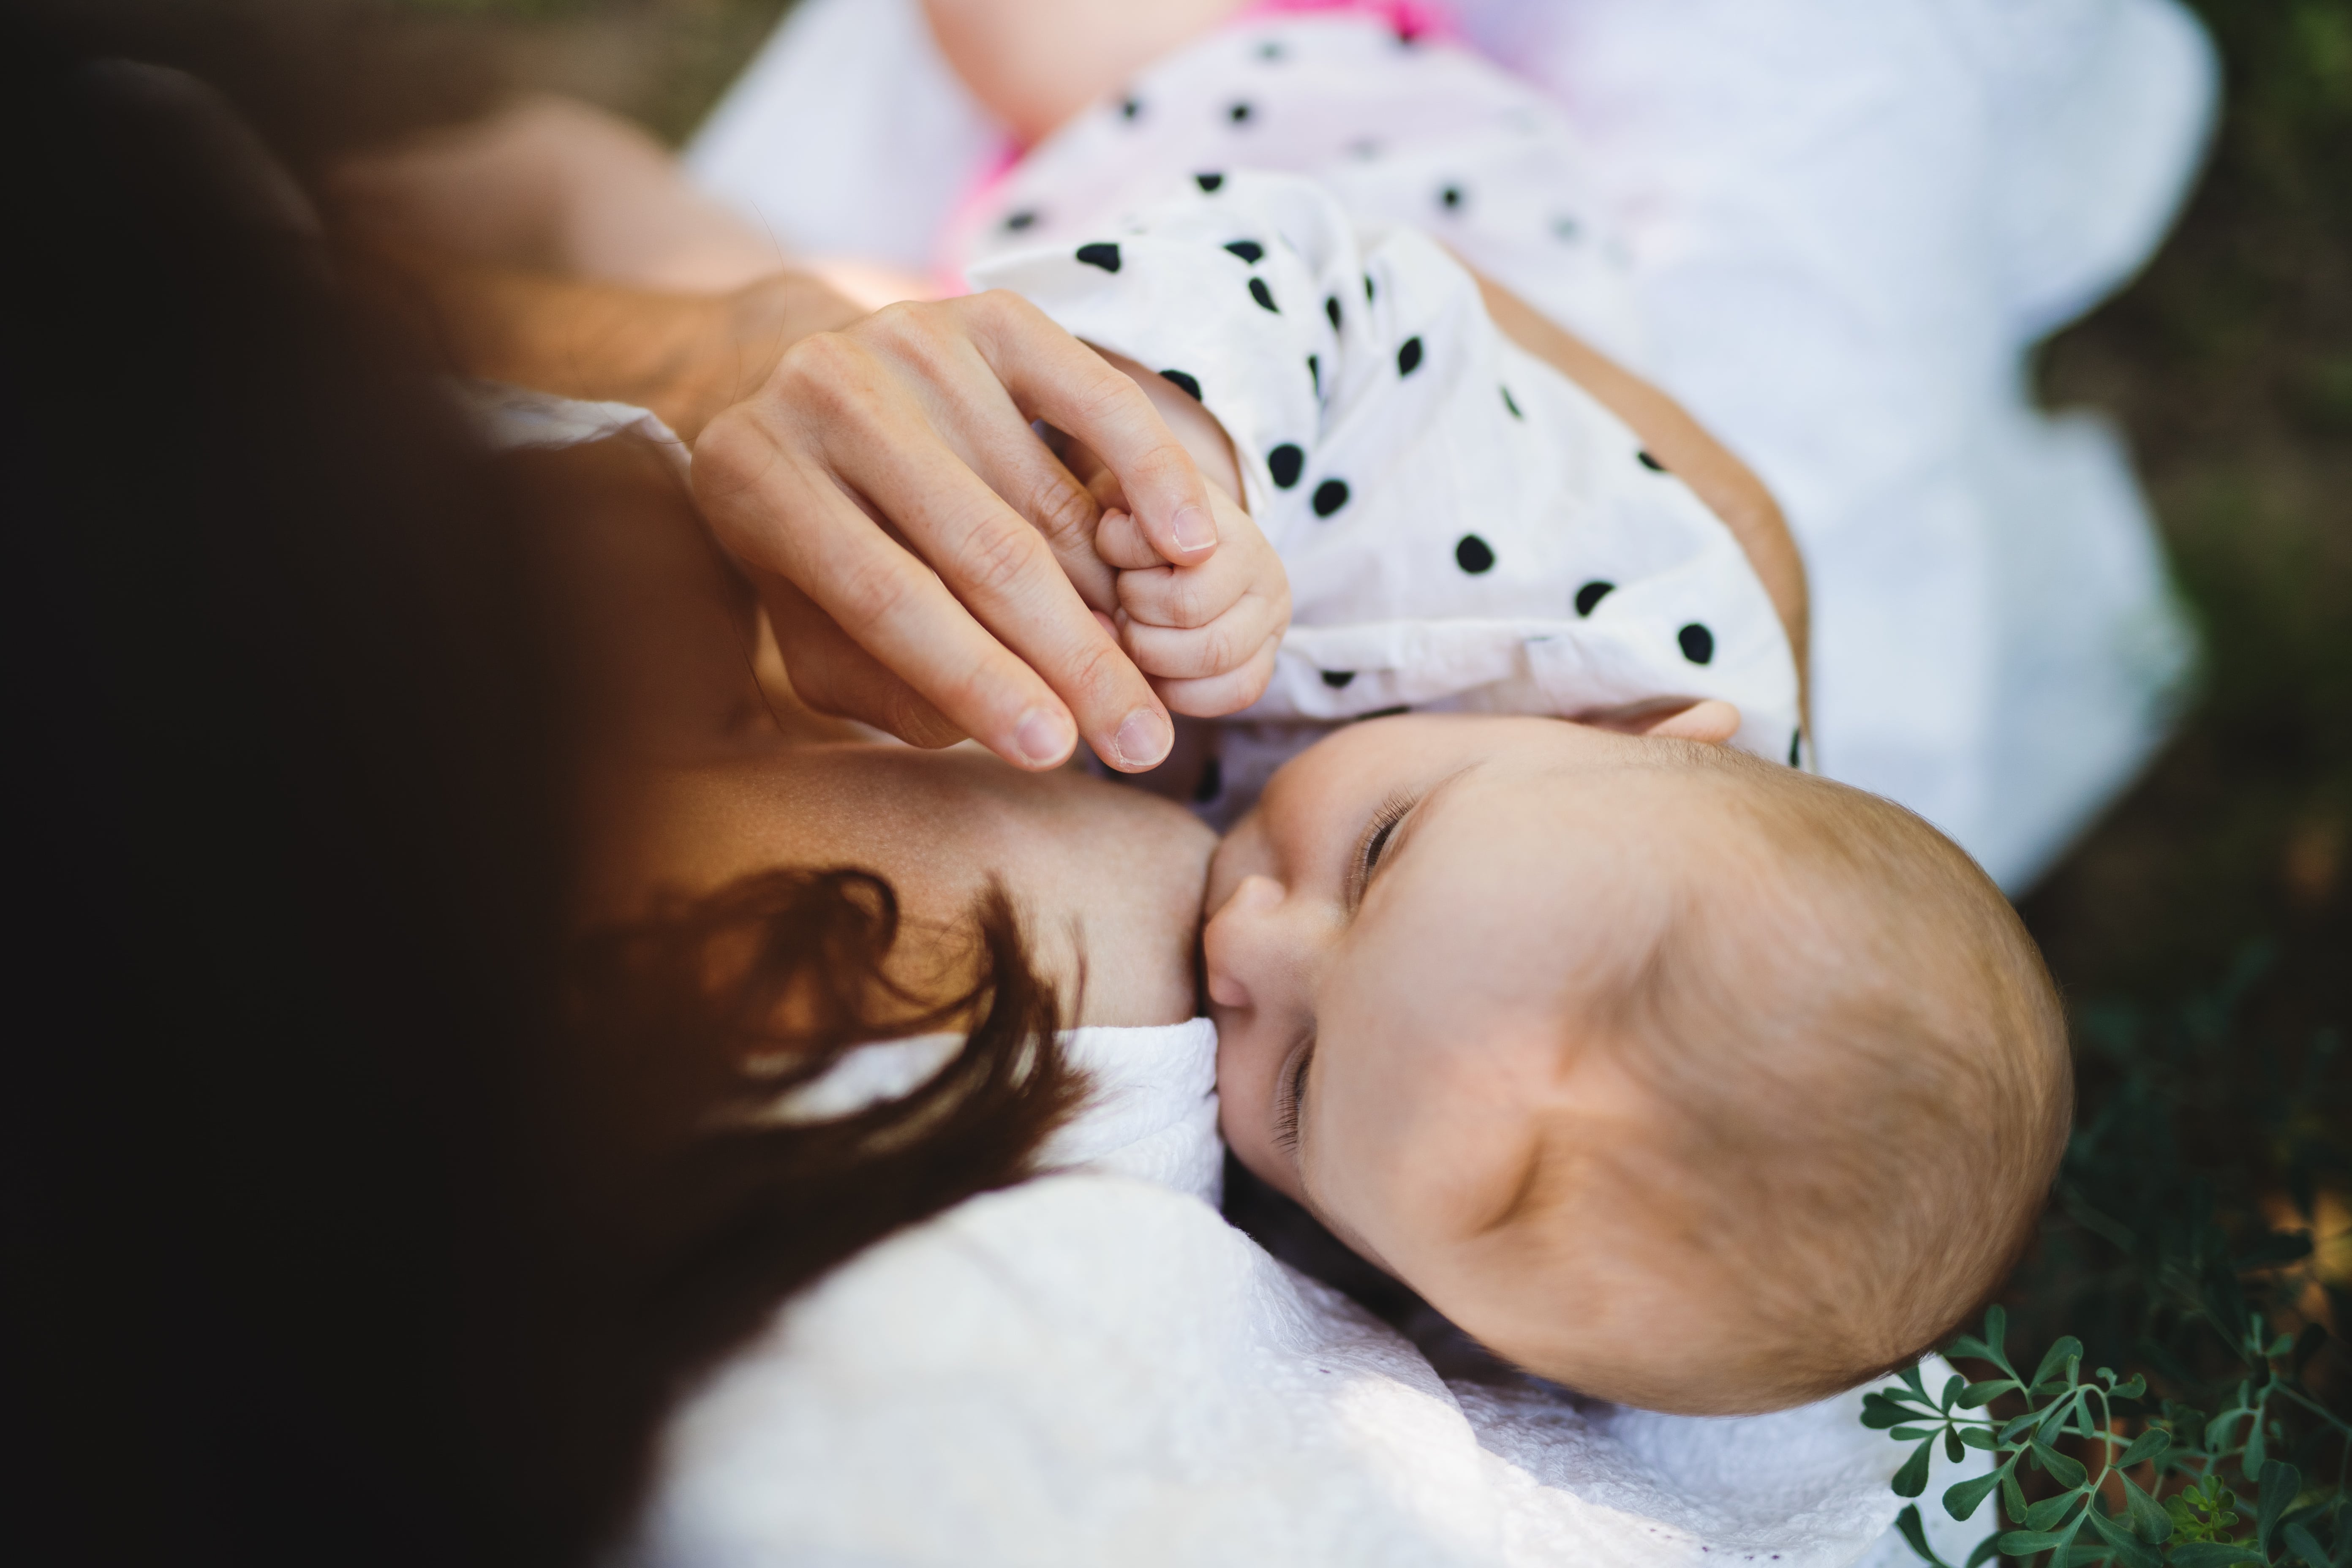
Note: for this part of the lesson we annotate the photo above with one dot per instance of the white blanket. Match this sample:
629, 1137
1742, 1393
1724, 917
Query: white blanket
1094, 1368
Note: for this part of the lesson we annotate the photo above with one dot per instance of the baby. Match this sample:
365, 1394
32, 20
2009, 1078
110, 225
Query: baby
1675, 1073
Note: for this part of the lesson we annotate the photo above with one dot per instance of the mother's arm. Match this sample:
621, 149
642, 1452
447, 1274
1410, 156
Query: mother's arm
928, 562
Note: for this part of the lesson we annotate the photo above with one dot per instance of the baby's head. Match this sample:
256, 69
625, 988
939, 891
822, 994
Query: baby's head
1681, 1077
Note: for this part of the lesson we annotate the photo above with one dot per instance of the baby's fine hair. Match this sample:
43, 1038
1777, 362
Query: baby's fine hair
1867, 1064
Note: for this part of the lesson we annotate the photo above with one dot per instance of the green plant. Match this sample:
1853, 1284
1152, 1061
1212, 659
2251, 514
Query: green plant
2179, 1509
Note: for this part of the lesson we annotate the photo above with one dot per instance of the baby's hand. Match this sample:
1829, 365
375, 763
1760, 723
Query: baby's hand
1205, 636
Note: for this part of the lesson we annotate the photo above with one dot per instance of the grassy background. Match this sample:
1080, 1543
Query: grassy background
2203, 930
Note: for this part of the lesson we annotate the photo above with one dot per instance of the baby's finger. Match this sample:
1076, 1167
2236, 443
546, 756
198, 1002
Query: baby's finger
1223, 645
1216, 696
1120, 541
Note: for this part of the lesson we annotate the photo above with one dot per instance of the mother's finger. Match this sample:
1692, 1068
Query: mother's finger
833, 675
1003, 571
1055, 377
783, 517
948, 379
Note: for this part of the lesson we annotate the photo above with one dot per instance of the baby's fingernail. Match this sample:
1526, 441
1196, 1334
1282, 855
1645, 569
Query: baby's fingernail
1143, 740
1043, 736
1195, 531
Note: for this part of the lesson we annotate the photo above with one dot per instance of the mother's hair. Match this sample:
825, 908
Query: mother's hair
357, 1213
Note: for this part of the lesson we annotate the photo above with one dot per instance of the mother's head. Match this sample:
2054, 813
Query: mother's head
357, 1200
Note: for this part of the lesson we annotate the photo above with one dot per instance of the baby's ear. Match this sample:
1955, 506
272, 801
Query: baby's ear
1671, 717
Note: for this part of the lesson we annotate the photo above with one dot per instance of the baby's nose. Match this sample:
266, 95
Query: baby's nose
1234, 944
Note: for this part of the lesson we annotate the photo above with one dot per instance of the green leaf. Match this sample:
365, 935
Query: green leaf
1987, 1547
2052, 1511
2065, 1471
2126, 1545
2026, 1542
2213, 1555
2056, 1360
2149, 1444
1985, 1392
1913, 1433
2280, 1483
1952, 1386
1976, 1437
1964, 1499
2009, 1431
1913, 1532
1878, 1413
2149, 1521
1952, 1448
2299, 1541
1910, 1376
2257, 1453
1912, 1478
2133, 1387
2012, 1495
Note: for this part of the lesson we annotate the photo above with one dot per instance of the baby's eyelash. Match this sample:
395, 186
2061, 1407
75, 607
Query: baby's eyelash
1285, 1116
1377, 833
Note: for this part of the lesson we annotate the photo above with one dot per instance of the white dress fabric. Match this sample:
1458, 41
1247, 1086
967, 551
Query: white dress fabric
1464, 528
1844, 222
1094, 1368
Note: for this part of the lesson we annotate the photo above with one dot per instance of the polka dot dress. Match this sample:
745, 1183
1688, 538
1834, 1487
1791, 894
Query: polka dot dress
1464, 526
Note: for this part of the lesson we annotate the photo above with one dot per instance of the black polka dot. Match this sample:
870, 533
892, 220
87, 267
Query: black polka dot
1192, 388
1566, 230
1369, 295
1590, 594
1698, 643
1329, 496
1337, 678
1315, 369
1285, 463
1796, 743
1473, 554
1509, 403
1016, 222
1240, 113
1211, 783
1270, 50
1128, 107
1263, 295
1249, 251
1386, 713
1331, 309
1649, 462
1409, 357
1208, 182
1102, 255
1365, 148
1452, 197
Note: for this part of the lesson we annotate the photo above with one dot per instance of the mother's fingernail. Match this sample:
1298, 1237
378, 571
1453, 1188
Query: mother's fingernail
1195, 531
1143, 742
1043, 736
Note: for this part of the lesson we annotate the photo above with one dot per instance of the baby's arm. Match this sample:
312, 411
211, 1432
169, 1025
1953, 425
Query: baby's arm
1035, 63
1728, 487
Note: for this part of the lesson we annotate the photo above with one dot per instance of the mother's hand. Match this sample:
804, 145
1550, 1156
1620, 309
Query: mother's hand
928, 562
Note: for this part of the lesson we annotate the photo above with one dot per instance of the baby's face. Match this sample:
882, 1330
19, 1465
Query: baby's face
1406, 945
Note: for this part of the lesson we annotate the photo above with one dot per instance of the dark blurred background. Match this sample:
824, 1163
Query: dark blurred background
2202, 931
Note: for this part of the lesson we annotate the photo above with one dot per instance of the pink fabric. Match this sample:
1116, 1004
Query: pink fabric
1418, 20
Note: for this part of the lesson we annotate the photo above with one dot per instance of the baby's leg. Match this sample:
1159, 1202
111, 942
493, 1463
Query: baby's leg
1035, 63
